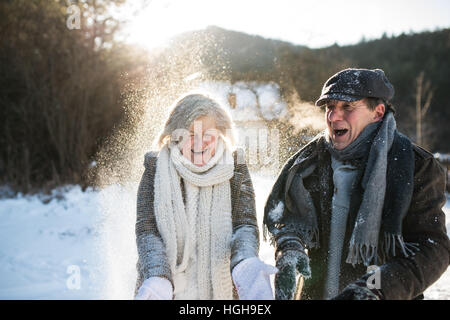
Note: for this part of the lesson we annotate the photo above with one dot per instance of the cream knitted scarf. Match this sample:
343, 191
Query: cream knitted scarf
197, 234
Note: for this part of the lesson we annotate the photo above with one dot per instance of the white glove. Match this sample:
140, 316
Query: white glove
155, 288
251, 277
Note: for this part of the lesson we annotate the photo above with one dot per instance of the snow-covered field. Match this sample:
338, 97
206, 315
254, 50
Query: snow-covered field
80, 245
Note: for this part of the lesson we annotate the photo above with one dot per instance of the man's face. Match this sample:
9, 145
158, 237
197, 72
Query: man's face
346, 120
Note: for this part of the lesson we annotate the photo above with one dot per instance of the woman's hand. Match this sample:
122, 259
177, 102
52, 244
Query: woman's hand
251, 277
155, 288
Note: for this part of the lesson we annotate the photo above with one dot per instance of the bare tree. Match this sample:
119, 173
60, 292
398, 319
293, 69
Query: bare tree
423, 92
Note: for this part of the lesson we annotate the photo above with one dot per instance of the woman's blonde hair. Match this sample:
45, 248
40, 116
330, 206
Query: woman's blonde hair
189, 108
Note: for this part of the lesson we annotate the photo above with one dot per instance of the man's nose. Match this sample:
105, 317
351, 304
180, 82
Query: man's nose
335, 115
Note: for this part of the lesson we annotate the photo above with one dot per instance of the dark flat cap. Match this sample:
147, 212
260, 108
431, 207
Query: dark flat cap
356, 84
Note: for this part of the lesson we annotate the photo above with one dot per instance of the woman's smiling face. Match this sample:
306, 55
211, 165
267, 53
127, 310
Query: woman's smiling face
346, 120
200, 145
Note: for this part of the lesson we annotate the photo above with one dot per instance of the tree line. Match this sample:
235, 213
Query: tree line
61, 90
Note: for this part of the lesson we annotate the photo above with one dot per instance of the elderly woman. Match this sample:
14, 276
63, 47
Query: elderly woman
196, 229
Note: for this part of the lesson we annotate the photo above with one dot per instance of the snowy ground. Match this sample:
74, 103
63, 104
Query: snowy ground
80, 245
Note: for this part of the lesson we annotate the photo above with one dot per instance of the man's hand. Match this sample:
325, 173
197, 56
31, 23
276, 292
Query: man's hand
358, 291
290, 263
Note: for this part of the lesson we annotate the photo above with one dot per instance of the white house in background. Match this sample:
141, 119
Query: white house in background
249, 101
251, 105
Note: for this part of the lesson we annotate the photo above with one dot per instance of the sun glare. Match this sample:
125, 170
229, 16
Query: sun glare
161, 21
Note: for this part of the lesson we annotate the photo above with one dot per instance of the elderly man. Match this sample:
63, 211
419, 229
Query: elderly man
357, 212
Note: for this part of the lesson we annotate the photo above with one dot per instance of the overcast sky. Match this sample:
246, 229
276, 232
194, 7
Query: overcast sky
313, 23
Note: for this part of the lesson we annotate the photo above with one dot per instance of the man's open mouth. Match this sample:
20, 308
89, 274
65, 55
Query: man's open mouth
340, 132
